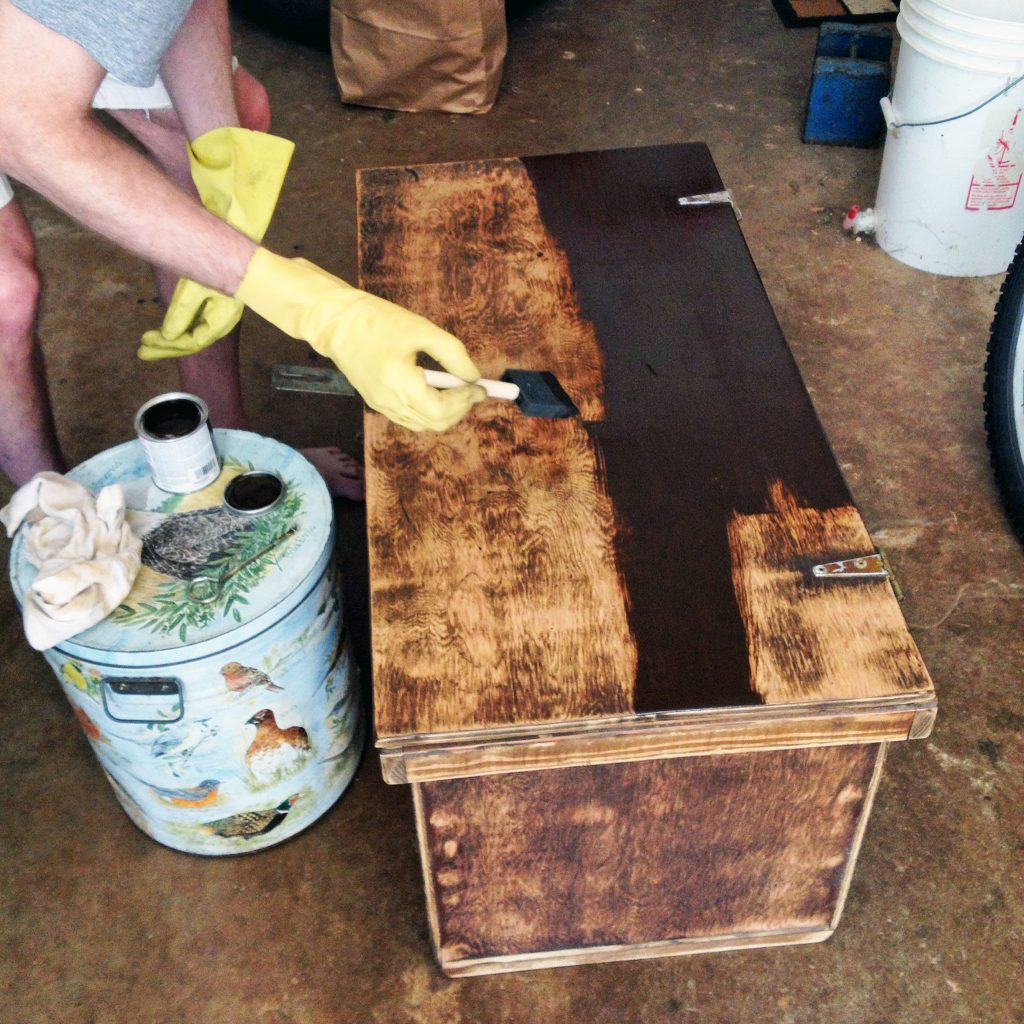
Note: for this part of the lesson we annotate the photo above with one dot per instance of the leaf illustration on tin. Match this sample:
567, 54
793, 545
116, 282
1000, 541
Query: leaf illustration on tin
170, 611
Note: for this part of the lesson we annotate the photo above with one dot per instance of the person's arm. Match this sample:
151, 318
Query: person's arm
50, 141
197, 69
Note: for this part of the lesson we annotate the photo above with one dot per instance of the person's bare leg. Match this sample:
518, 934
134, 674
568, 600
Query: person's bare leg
28, 438
213, 374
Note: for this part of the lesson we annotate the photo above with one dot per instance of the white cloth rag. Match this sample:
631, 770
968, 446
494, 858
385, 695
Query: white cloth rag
87, 556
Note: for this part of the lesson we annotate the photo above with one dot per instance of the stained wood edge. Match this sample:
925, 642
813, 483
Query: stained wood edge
660, 737
423, 842
924, 721
919, 701
639, 951
858, 838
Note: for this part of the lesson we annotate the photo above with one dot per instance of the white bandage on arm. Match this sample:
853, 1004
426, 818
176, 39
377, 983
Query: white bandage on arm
114, 94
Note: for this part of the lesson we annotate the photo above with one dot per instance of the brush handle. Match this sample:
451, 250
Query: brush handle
494, 388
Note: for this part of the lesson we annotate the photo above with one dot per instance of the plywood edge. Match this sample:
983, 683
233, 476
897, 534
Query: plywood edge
423, 842
640, 951
858, 838
432, 759
924, 722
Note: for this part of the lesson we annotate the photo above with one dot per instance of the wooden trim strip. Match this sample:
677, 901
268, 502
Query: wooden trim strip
423, 841
858, 839
640, 951
741, 733
921, 702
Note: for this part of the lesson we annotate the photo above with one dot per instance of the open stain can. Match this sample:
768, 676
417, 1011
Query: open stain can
254, 493
174, 430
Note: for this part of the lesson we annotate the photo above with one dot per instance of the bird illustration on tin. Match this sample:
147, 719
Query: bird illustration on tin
250, 824
184, 544
240, 678
274, 752
205, 794
73, 674
181, 744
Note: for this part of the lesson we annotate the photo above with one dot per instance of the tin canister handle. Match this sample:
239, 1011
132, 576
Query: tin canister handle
142, 701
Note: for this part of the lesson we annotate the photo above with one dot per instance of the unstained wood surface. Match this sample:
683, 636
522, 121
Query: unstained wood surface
538, 571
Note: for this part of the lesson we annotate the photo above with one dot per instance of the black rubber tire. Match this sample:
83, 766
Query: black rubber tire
1004, 410
300, 21
309, 21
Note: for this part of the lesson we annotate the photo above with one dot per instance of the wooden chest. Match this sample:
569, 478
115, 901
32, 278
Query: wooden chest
639, 667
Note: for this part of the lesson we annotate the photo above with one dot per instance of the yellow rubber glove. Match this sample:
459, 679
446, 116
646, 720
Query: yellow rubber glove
372, 341
239, 174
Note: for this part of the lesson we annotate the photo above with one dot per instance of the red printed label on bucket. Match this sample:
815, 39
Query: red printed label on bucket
995, 183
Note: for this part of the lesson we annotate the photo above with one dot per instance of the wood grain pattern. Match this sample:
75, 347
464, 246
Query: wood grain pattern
531, 573
638, 740
486, 542
606, 856
463, 245
814, 638
634, 722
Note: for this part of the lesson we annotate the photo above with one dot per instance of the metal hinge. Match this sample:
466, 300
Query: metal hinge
321, 380
711, 199
873, 567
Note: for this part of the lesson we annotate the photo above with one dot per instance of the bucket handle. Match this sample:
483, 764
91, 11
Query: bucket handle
893, 123
143, 701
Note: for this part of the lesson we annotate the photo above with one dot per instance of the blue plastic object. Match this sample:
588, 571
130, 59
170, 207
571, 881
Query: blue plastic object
864, 42
851, 74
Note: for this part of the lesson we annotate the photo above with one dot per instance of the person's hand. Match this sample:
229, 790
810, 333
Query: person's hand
239, 174
196, 317
372, 341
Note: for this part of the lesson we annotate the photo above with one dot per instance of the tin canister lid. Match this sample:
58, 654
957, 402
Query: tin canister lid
286, 549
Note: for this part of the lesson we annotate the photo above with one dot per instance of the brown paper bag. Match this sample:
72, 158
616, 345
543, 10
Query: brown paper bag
419, 54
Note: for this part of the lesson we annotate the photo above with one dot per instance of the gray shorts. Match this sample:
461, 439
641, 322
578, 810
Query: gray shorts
113, 95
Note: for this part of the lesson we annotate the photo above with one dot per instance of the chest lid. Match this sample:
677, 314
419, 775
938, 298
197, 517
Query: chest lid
258, 565
639, 581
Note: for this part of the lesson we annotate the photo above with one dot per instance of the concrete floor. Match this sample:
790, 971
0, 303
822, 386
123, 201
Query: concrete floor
100, 924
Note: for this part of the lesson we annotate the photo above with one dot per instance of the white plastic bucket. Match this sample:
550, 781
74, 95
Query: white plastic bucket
949, 197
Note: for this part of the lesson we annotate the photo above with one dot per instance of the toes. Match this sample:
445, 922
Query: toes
340, 471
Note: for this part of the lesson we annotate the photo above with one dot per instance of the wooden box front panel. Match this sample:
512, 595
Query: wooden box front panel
628, 860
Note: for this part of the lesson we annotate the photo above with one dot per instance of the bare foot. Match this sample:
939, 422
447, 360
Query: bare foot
342, 474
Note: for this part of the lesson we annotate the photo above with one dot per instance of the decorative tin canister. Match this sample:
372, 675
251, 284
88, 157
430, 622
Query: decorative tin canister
221, 698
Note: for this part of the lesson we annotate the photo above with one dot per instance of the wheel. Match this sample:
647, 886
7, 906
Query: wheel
1004, 392
300, 21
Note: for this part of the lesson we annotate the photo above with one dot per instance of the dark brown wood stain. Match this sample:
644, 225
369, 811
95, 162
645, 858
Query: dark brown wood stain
704, 404
623, 854
652, 555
